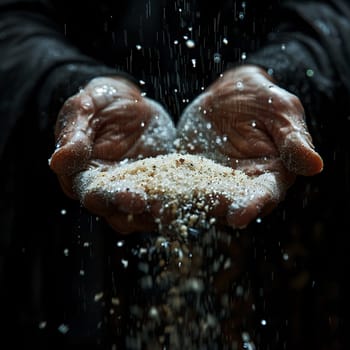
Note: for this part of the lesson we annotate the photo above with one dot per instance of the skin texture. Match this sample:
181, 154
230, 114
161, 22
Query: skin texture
246, 121
106, 122
243, 120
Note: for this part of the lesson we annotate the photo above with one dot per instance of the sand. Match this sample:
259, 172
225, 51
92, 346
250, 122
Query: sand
189, 186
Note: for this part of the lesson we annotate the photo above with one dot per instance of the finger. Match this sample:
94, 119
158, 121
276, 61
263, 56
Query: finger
105, 203
98, 203
73, 155
73, 135
71, 152
163, 210
161, 132
194, 132
215, 205
264, 194
129, 202
158, 135
105, 90
299, 155
291, 136
129, 223
242, 217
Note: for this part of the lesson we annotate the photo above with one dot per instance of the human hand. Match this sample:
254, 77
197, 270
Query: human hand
244, 120
106, 122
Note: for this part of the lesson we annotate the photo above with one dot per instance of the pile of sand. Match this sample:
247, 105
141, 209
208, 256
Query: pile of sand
187, 184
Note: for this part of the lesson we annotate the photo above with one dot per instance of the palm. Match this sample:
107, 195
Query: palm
245, 121
107, 122
242, 120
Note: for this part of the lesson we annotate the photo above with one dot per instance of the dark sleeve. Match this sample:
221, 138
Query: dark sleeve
39, 69
309, 53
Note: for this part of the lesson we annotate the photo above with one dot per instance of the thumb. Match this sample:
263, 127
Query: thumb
73, 154
291, 136
298, 153
73, 135
74, 146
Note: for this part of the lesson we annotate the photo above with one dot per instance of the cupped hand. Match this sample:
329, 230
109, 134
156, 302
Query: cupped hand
109, 121
246, 121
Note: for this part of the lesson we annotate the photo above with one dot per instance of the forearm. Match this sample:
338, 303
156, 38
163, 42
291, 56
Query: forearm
309, 54
39, 68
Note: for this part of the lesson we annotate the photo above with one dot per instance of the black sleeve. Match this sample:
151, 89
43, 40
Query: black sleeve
309, 53
39, 69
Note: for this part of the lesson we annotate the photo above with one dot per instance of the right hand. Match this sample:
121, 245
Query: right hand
108, 121
244, 120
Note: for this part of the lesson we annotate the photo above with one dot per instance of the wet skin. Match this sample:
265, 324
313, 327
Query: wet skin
243, 120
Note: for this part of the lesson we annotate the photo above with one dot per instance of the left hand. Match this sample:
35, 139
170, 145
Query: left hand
246, 121
107, 122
